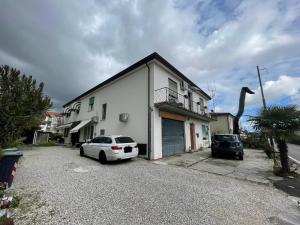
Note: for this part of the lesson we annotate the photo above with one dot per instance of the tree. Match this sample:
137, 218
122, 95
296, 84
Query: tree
22, 104
280, 122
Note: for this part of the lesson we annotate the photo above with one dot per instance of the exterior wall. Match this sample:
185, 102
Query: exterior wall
223, 125
161, 77
200, 142
50, 124
129, 95
125, 95
161, 80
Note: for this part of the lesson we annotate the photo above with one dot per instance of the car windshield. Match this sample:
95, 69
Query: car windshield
225, 138
121, 140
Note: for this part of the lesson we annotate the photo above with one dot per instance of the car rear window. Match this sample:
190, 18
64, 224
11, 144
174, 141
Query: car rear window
225, 138
121, 140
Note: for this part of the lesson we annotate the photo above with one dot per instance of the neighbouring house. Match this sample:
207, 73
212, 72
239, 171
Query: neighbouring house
222, 123
151, 101
51, 122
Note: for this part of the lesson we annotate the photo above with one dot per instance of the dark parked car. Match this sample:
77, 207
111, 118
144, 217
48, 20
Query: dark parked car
227, 144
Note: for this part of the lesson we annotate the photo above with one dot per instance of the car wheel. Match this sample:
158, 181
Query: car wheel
81, 151
213, 154
241, 157
102, 157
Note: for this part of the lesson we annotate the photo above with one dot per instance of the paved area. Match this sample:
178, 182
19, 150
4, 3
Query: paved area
255, 167
294, 151
60, 187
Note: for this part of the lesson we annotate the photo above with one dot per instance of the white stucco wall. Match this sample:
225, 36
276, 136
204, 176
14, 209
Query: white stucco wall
161, 76
125, 95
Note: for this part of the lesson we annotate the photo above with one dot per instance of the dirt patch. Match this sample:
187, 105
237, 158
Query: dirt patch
289, 185
32, 210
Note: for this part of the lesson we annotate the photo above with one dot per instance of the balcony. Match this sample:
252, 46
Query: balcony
169, 100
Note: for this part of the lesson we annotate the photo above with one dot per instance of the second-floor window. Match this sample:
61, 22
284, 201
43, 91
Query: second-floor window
173, 89
104, 109
91, 103
201, 104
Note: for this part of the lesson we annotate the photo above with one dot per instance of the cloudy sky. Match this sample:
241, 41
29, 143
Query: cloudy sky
73, 45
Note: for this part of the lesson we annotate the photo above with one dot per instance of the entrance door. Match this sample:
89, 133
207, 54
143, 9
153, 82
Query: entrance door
172, 137
192, 133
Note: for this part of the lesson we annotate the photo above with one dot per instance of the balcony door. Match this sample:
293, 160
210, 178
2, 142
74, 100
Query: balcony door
190, 99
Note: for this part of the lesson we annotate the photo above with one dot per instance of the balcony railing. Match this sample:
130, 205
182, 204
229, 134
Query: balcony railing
166, 95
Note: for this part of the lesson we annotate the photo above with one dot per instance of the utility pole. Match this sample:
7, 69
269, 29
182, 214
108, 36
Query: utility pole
261, 88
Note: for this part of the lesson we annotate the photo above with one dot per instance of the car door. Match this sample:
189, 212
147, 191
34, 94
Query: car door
90, 149
96, 143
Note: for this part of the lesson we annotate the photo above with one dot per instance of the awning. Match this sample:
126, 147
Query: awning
64, 126
79, 126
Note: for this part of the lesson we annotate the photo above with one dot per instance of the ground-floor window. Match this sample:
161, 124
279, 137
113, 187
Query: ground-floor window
88, 132
205, 132
66, 132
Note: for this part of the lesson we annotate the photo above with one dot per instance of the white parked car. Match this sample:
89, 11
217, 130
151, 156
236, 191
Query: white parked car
110, 148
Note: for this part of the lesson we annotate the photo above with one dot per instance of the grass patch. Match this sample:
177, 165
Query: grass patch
49, 144
16, 201
6, 221
294, 139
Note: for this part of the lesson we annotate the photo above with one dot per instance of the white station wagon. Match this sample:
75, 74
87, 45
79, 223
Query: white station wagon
110, 148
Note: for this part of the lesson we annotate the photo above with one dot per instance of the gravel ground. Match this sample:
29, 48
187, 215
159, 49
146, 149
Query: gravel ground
60, 187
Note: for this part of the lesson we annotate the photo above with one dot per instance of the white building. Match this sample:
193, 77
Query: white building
51, 122
151, 101
222, 123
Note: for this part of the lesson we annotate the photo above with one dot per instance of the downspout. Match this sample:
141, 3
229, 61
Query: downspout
149, 116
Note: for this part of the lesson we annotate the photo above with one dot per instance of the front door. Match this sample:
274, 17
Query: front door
192, 133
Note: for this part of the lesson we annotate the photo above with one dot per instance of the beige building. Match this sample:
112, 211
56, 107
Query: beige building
223, 123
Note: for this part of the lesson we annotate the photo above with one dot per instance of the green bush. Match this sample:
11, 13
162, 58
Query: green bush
294, 139
48, 144
15, 143
6, 221
258, 142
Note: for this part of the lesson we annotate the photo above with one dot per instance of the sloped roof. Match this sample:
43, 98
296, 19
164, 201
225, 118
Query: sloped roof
148, 58
53, 114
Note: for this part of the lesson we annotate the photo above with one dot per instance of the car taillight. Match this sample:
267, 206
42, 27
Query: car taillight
116, 148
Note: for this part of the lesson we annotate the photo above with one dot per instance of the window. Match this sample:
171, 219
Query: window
173, 89
124, 140
104, 109
88, 132
103, 140
107, 140
205, 132
96, 140
92, 132
102, 132
91, 103
201, 104
66, 132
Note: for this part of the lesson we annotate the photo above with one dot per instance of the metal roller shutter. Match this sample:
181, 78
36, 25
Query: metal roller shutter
172, 137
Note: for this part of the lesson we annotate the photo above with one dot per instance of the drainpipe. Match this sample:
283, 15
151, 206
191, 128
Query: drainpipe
149, 116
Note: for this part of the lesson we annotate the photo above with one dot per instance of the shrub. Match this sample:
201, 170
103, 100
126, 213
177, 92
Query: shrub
48, 144
15, 143
294, 139
16, 201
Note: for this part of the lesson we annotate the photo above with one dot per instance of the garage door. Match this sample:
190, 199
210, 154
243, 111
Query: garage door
172, 137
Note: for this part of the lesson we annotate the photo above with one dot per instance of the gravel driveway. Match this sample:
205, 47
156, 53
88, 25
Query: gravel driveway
60, 187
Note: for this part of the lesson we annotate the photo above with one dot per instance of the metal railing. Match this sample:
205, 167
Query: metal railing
182, 101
